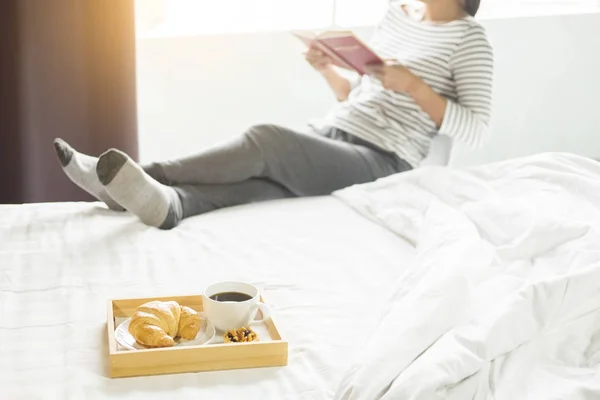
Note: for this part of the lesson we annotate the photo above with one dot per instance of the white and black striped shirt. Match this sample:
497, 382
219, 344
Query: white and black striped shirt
454, 58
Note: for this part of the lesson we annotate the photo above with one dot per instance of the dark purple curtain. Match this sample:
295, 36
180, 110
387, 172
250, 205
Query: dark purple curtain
67, 69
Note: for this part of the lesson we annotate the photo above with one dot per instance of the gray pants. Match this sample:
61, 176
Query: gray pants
271, 162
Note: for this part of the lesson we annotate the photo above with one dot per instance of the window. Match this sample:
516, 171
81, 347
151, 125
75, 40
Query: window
191, 17
358, 12
216, 16
175, 17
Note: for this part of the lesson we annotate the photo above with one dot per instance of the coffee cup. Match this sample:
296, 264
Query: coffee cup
233, 305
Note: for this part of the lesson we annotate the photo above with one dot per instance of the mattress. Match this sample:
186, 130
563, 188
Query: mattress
324, 269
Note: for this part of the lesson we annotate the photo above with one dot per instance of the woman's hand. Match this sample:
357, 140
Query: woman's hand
399, 79
323, 64
317, 59
395, 77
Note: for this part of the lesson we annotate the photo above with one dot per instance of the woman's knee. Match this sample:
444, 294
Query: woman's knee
267, 136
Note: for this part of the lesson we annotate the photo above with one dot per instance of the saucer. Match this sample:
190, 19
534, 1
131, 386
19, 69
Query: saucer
125, 339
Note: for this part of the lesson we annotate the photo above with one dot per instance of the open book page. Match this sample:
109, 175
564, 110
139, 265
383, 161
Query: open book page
310, 39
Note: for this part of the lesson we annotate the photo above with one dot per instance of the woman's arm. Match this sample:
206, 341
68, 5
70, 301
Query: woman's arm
467, 118
340, 85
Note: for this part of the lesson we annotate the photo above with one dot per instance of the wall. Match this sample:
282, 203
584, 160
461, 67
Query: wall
196, 91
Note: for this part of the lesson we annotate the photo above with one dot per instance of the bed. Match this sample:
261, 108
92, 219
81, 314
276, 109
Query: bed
315, 259
477, 283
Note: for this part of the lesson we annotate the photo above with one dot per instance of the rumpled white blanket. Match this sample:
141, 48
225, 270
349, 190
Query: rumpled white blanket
503, 299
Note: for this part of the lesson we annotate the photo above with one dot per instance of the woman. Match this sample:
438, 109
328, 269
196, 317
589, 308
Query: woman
439, 83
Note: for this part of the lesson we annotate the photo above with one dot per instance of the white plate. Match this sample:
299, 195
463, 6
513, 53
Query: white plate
204, 336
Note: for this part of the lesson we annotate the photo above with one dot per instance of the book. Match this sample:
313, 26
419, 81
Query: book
344, 48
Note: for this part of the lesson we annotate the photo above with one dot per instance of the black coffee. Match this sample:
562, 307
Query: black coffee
230, 296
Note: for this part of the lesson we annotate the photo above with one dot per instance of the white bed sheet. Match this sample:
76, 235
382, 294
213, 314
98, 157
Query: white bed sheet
323, 268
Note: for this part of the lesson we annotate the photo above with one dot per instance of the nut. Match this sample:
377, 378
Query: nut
240, 335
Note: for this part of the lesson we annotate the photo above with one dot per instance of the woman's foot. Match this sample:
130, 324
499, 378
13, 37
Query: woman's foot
81, 170
154, 203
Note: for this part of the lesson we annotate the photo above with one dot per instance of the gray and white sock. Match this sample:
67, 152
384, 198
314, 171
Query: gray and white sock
81, 170
154, 203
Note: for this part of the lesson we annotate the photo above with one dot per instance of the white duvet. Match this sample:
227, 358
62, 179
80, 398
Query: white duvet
503, 299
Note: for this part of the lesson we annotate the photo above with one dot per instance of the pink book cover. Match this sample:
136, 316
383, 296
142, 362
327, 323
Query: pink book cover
352, 51
344, 48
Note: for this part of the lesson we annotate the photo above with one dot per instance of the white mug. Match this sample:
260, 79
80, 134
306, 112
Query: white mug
226, 315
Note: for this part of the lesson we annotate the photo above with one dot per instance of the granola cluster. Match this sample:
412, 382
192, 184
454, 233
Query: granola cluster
240, 335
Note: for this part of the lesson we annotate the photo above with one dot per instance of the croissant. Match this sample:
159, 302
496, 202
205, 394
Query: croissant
189, 323
157, 323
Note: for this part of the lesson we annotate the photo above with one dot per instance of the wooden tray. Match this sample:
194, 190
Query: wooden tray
212, 357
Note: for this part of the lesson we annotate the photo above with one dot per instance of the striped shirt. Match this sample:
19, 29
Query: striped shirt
454, 58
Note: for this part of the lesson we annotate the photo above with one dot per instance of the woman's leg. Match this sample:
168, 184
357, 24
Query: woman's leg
306, 165
200, 199
266, 162
164, 206
294, 163
234, 162
196, 199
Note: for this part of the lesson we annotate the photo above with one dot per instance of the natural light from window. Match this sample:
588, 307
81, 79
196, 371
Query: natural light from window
201, 17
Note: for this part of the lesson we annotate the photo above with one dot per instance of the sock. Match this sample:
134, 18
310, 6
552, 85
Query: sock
154, 203
81, 170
